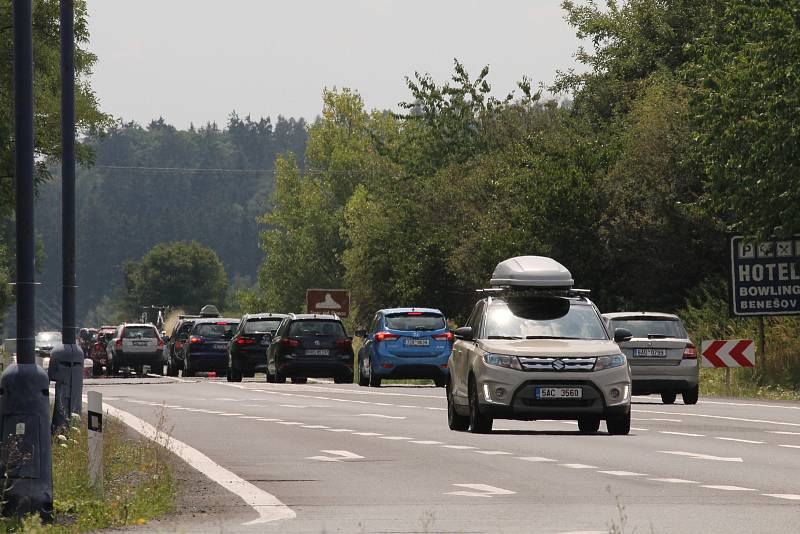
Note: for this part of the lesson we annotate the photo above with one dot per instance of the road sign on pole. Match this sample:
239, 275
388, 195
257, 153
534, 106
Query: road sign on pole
328, 301
765, 276
726, 353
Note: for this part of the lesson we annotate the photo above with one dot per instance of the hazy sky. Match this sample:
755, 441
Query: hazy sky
197, 60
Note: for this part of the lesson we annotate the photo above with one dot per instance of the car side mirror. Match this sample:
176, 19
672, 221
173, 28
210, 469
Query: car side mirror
465, 332
622, 334
360, 333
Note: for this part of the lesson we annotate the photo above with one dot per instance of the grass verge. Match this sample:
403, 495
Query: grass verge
138, 483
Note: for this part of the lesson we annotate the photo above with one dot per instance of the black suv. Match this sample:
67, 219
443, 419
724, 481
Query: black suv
247, 352
176, 341
310, 345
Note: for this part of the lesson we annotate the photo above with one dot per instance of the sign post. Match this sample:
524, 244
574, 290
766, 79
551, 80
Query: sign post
95, 439
328, 301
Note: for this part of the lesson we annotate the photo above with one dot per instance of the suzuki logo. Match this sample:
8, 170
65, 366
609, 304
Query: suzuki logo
559, 365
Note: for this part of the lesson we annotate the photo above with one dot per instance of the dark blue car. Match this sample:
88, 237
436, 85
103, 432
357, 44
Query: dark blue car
405, 343
206, 348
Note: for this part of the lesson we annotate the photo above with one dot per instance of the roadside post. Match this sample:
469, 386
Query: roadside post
95, 438
727, 354
26, 459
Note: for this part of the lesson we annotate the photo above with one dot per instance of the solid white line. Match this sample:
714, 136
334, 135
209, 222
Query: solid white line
366, 434
674, 480
338, 430
682, 434
656, 419
381, 416
756, 405
640, 429
316, 426
578, 466
723, 417
727, 488
783, 432
737, 440
268, 419
268, 507
623, 473
493, 453
787, 496
535, 459
458, 447
394, 438
790, 446
427, 442
699, 456
289, 423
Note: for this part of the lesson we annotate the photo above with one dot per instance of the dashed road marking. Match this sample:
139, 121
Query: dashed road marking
737, 440
783, 432
493, 453
689, 434
459, 447
656, 419
479, 490
787, 496
427, 442
578, 466
698, 456
727, 488
395, 438
535, 459
289, 423
366, 434
623, 473
336, 456
339, 430
790, 446
722, 417
674, 480
379, 415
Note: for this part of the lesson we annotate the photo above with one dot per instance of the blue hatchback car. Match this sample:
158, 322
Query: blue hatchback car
405, 343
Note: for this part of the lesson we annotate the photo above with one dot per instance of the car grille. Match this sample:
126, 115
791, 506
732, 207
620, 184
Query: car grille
546, 363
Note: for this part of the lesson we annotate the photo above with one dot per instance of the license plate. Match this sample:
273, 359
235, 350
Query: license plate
220, 345
139, 343
650, 353
559, 393
317, 352
264, 341
417, 342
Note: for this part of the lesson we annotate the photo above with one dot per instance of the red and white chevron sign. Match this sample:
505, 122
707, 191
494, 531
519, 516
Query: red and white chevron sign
728, 353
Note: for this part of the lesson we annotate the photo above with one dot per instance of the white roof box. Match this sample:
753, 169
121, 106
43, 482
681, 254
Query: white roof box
532, 271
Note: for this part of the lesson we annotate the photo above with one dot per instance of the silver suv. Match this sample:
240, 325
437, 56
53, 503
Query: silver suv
535, 349
663, 359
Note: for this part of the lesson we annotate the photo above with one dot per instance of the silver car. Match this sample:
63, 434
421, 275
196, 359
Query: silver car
663, 359
536, 350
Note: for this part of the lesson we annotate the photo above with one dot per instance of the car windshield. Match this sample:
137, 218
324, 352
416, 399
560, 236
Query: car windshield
261, 326
651, 327
543, 319
214, 330
315, 327
139, 332
415, 321
48, 337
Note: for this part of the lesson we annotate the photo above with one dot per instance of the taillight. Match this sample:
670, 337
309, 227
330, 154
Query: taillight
178, 345
245, 341
290, 342
445, 336
690, 352
160, 342
194, 339
385, 336
118, 342
414, 313
344, 343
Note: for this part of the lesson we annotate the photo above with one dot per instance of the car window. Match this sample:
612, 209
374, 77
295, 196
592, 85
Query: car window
260, 326
184, 329
543, 318
139, 332
214, 330
651, 327
415, 321
48, 337
315, 327
376, 323
474, 320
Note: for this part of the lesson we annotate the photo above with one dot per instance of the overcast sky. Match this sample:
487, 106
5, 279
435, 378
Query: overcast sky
197, 60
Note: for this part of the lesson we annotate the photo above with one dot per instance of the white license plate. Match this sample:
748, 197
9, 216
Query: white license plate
650, 353
559, 393
264, 341
417, 342
220, 345
139, 343
317, 352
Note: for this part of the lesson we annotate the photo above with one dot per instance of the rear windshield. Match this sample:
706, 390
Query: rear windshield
48, 337
415, 321
214, 330
651, 327
543, 319
139, 332
313, 327
261, 326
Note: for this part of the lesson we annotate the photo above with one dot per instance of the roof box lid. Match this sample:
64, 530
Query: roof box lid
532, 271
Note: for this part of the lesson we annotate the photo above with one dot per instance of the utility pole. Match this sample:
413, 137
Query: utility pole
24, 396
66, 360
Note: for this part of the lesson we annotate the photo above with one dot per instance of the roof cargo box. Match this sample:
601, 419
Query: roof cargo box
531, 271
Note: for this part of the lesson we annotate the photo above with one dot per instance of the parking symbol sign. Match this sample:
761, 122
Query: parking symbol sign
747, 250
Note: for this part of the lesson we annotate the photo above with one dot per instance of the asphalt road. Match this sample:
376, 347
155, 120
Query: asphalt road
352, 459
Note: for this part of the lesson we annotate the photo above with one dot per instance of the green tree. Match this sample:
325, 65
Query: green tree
181, 274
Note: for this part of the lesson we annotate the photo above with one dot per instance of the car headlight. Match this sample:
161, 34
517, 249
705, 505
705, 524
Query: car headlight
607, 362
501, 360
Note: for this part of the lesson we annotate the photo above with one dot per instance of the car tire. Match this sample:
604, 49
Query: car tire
374, 381
459, 423
299, 380
669, 397
188, 370
478, 422
270, 377
157, 369
343, 380
440, 382
172, 369
588, 425
97, 369
280, 378
619, 425
233, 374
690, 396
363, 378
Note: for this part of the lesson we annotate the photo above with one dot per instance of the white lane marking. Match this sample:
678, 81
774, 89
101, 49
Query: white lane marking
640, 429
783, 432
231, 414
459, 447
737, 440
381, 416
723, 417
479, 490
176, 379
366, 434
674, 480
336, 456
268, 419
427, 442
291, 406
225, 399
535, 459
689, 434
623, 473
493, 453
316, 426
790, 446
289, 423
339, 430
787, 496
249, 417
578, 466
394, 438
727, 488
253, 405
364, 392
406, 406
656, 419
698, 456
752, 404
268, 507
